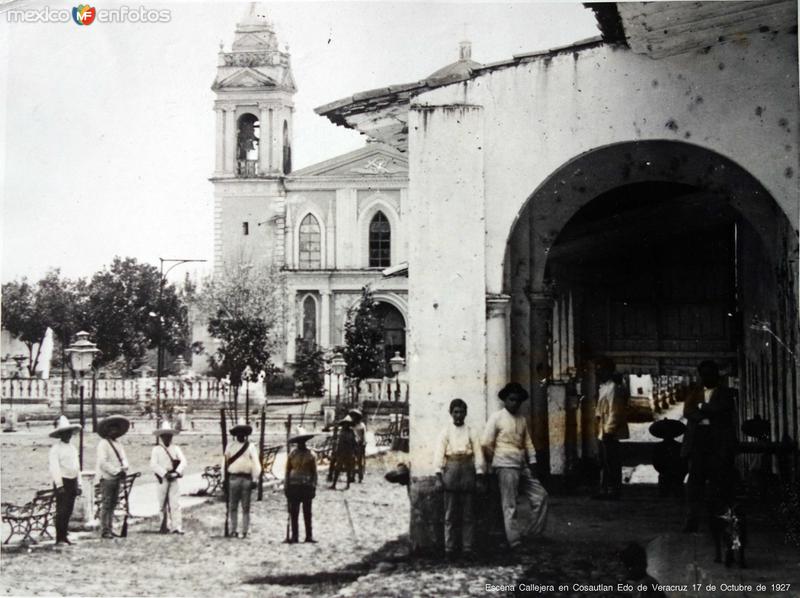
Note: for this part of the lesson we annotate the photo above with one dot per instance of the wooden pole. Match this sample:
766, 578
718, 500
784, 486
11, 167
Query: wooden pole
261, 449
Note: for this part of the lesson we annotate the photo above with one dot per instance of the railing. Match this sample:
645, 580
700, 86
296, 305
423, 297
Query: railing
247, 168
380, 389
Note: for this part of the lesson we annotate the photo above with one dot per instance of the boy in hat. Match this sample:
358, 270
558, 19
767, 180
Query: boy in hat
112, 466
300, 485
242, 467
360, 431
168, 463
345, 452
458, 457
508, 446
65, 470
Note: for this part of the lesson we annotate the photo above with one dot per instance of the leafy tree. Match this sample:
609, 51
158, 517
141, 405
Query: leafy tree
363, 336
244, 306
309, 369
22, 320
128, 317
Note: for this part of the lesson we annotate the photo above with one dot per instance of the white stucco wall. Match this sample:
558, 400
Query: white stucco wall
739, 99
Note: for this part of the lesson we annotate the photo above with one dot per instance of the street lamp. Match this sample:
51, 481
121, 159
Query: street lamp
81, 354
338, 365
160, 347
398, 364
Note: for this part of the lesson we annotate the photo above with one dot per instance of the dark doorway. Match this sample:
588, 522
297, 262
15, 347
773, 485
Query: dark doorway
394, 333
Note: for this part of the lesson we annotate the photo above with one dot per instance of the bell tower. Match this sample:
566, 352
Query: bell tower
254, 90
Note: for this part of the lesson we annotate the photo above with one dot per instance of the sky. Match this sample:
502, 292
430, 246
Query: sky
108, 129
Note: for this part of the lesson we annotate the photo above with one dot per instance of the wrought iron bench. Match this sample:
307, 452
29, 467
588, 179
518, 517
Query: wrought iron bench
213, 478
123, 502
35, 516
324, 450
268, 460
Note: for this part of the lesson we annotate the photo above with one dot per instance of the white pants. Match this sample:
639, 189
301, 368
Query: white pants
171, 504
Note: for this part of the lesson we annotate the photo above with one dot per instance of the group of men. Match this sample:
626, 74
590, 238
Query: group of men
167, 462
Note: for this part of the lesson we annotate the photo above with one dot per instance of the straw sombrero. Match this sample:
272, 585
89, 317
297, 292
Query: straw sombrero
345, 420
166, 428
302, 438
667, 428
111, 421
355, 413
241, 428
63, 425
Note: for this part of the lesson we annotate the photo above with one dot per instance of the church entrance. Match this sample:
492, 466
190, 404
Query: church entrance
658, 255
394, 333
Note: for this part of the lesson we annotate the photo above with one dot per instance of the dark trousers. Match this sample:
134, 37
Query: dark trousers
294, 512
711, 475
110, 496
65, 502
611, 463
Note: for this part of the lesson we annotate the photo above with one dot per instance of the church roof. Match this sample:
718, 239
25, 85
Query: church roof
374, 159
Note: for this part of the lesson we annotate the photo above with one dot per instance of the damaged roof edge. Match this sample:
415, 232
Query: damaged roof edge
609, 21
411, 89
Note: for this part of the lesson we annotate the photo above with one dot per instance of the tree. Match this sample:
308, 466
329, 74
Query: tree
363, 337
244, 307
22, 320
131, 314
309, 369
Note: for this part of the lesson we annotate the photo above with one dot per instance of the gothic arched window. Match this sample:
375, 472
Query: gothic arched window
380, 242
309, 320
310, 244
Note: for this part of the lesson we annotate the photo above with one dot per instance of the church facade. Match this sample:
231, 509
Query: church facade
332, 227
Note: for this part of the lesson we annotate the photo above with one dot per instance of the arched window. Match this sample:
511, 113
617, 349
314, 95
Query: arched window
248, 133
310, 244
380, 242
287, 149
309, 320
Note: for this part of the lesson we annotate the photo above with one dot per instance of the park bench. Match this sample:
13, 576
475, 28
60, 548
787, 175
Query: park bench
213, 478
268, 460
35, 516
324, 450
123, 503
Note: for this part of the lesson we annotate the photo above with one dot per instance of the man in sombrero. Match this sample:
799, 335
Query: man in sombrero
360, 431
300, 485
112, 466
65, 470
168, 463
344, 452
242, 468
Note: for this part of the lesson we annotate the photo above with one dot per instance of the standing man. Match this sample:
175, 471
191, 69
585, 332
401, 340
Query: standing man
300, 485
241, 467
709, 442
112, 466
168, 464
360, 431
457, 460
508, 446
612, 426
65, 470
344, 452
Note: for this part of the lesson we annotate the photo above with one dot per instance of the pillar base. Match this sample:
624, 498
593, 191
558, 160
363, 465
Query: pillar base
83, 514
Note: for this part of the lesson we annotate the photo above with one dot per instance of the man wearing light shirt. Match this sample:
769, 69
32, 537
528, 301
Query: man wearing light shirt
112, 466
242, 468
65, 470
709, 442
457, 460
612, 426
507, 443
168, 464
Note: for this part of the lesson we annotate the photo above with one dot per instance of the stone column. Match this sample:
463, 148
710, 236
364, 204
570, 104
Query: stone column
325, 319
83, 514
541, 316
263, 146
497, 366
230, 139
291, 324
329, 259
219, 166
447, 290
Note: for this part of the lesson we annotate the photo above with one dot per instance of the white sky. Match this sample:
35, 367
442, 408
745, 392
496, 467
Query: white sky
109, 128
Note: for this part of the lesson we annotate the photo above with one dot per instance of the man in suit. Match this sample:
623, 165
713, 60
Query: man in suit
709, 442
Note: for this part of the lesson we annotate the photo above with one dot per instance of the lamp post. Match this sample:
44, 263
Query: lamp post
398, 364
160, 346
11, 418
338, 365
81, 354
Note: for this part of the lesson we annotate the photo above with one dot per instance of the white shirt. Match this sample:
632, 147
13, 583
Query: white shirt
108, 466
64, 462
455, 441
248, 463
162, 456
506, 436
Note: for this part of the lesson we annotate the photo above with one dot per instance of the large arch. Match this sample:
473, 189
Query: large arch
667, 185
